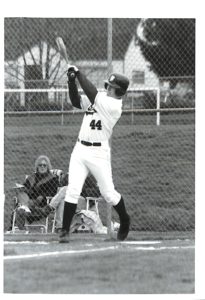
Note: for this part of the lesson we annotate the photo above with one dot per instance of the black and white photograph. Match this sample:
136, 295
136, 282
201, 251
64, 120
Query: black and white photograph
99, 155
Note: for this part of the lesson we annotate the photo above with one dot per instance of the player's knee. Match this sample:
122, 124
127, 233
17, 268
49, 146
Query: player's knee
111, 197
72, 195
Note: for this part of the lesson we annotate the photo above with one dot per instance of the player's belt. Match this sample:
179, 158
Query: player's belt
89, 144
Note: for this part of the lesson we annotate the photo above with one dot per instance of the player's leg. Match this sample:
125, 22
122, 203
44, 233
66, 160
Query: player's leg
101, 170
77, 175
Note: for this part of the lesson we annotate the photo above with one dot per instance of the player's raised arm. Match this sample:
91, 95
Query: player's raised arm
87, 86
73, 90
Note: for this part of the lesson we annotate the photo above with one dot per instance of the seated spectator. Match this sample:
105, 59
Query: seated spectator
37, 186
90, 189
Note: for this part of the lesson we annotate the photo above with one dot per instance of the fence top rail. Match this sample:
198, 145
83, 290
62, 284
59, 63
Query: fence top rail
66, 90
177, 77
141, 110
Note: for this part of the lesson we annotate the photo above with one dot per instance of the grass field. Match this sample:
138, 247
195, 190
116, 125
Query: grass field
143, 264
153, 166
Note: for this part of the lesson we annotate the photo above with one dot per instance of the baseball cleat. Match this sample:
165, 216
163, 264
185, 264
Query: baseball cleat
64, 236
123, 230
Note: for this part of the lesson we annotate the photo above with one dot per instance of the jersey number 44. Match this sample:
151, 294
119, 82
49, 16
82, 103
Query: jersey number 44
96, 125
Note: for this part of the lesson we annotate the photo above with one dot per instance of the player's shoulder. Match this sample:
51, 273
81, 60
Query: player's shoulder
103, 100
100, 95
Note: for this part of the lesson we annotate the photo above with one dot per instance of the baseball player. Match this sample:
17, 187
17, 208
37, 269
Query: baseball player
92, 150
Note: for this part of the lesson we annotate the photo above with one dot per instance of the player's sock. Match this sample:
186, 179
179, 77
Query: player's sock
124, 220
69, 211
121, 210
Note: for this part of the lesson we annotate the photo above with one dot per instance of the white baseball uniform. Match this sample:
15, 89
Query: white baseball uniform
92, 151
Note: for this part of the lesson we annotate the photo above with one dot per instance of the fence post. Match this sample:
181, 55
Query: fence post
62, 108
109, 46
109, 218
132, 115
158, 107
109, 71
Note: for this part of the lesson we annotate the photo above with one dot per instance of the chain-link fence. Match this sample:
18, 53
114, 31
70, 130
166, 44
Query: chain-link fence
153, 145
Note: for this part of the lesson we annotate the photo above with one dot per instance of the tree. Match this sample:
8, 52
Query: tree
168, 45
21, 36
85, 39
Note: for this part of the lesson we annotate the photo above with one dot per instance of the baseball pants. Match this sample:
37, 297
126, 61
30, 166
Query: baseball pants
97, 161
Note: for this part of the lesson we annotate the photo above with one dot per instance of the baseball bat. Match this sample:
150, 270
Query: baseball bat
62, 49
63, 52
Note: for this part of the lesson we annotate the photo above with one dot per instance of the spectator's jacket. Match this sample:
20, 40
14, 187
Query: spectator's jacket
45, 185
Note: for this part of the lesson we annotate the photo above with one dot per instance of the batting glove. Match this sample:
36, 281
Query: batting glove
72, 72
71, 76
73, 68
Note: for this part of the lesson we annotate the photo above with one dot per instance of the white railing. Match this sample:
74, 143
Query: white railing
63, 112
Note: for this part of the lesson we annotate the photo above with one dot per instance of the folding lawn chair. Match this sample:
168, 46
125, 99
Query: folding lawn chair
95, 200
43, 223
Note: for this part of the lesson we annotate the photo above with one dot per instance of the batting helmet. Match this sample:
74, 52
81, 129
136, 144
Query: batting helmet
119, 82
